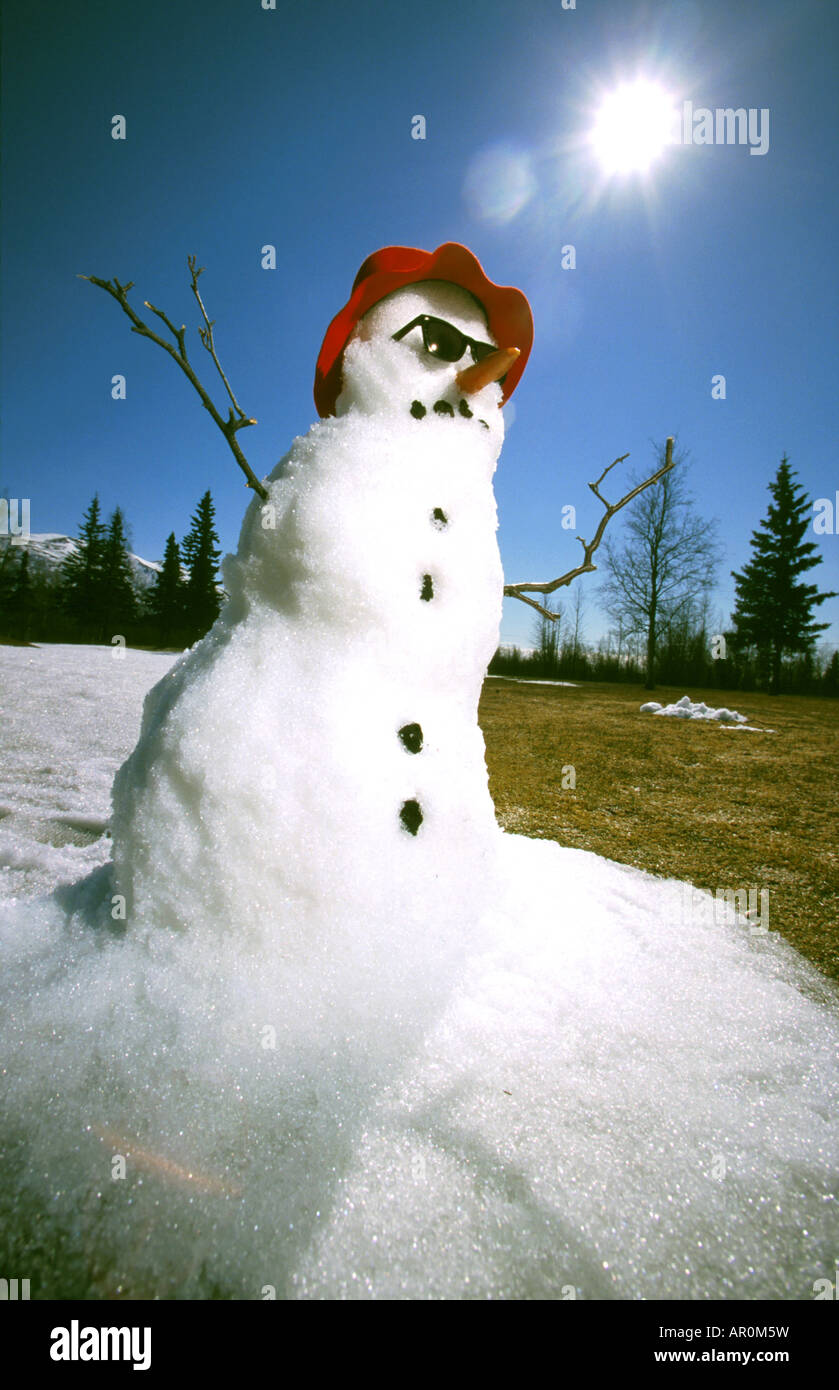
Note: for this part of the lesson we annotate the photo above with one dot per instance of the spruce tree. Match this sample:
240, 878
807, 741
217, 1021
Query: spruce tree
7, 574
20, 599
201, 556
119, 600
81, 573
166, 600
774, 609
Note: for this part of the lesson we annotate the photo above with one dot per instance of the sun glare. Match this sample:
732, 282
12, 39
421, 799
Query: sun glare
632, 127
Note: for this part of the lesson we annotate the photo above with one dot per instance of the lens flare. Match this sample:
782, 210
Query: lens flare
499, 183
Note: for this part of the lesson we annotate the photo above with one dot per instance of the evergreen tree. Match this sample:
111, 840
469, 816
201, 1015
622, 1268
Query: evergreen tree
201, 556
166, 601
7, 574
773, 610
18, 605
119, 600
81, 573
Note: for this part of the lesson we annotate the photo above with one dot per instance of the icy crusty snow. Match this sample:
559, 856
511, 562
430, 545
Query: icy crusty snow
70, 716
560, 1123
341, 1059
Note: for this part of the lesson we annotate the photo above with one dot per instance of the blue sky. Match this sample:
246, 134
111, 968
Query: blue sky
292, 127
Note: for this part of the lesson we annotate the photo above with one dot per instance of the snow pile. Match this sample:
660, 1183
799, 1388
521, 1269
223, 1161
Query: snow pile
688, 709
322, 1028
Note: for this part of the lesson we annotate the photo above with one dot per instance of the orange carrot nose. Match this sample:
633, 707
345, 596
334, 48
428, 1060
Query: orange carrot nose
489, 369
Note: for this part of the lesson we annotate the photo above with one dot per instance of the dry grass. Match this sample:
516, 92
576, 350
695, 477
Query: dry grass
687, 800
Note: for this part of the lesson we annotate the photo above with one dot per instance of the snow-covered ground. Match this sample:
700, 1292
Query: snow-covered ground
615, 1096
70, 715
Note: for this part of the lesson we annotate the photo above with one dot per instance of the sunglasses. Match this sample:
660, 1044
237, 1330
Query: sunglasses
445, 341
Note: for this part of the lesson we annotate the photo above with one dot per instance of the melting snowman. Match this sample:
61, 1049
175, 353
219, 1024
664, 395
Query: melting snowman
312, 774
501, 1068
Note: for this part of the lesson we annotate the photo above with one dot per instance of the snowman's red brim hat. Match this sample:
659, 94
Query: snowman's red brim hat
508, 312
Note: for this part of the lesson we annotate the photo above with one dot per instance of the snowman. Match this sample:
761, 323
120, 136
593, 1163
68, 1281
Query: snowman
354, 1040
315, 763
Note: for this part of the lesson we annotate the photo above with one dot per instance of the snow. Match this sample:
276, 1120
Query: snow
70, 716
525, 680
747, 728
689, 709
338, 1059
48, 551
558, 1122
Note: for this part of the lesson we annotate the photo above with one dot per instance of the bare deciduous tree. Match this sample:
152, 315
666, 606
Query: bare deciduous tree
575, 641
666, 564
549, 586
546, 637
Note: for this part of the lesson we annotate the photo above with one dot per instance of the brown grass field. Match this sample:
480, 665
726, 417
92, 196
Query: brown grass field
682, 799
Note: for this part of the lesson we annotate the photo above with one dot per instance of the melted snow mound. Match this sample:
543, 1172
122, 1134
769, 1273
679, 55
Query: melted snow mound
689, 709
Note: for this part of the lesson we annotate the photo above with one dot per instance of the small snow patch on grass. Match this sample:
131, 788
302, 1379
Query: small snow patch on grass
689, 709
525, 680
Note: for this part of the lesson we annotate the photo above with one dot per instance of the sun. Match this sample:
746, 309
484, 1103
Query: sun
632, 127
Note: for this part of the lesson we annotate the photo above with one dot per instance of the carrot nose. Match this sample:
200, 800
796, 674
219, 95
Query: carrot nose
490, 368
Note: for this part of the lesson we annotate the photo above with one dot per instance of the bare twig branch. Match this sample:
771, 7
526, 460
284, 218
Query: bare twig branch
521, 591
179, 334
206, 336
233, 422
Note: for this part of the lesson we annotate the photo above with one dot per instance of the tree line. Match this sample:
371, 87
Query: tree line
684, 657
94, 595
657, 589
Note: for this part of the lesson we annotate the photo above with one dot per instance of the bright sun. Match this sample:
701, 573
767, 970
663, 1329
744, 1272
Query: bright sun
632, 127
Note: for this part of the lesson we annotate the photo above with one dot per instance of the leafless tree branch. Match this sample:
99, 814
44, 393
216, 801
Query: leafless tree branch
236, 419
206, 336
522, 590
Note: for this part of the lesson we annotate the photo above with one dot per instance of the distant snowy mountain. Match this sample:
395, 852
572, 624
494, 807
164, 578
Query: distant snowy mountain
49, 550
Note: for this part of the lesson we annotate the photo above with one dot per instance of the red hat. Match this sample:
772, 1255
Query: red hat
507, 310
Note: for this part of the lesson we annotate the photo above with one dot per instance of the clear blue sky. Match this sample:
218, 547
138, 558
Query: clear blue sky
293, 127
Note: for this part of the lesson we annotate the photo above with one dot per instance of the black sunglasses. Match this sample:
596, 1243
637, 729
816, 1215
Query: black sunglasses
443, 340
